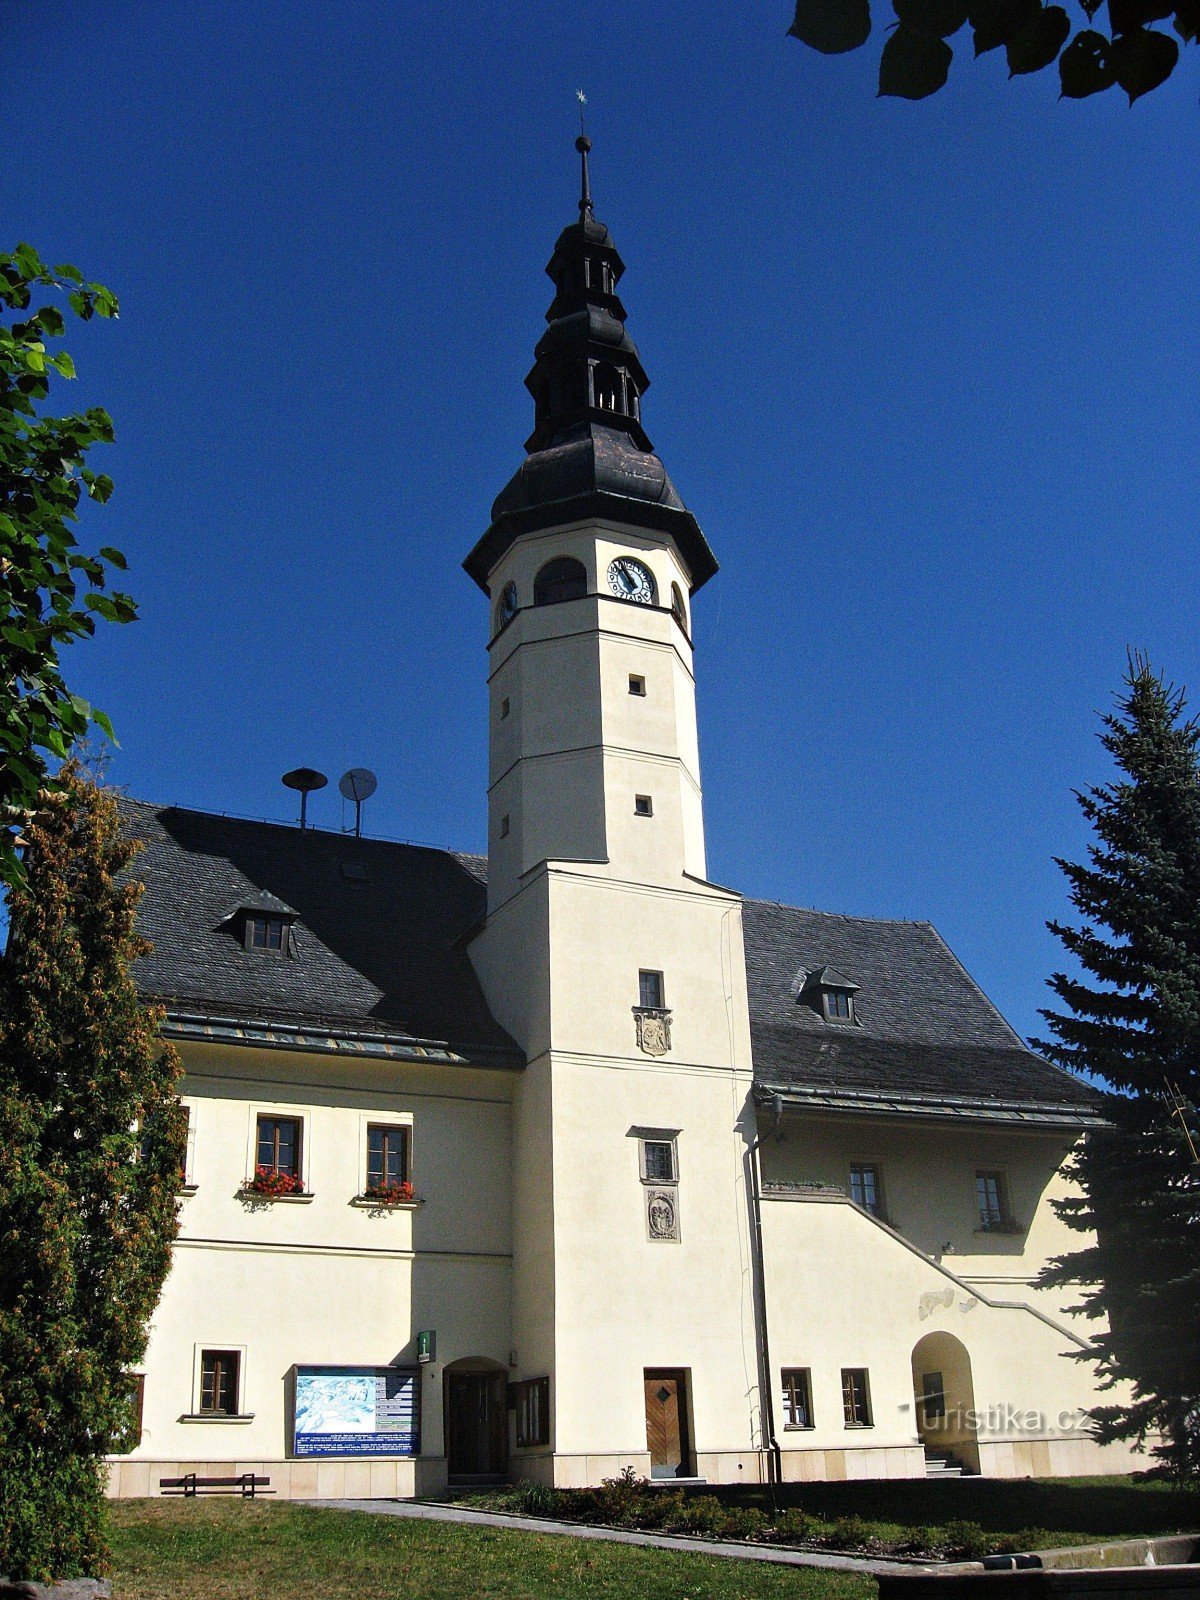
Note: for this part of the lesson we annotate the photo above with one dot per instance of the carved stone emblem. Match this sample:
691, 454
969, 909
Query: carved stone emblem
662, 1214
653, 1030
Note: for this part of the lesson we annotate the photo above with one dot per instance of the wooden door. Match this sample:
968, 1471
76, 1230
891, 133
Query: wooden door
476, 1425
666, 1423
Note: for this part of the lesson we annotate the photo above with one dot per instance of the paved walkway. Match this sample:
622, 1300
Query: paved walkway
730, 1549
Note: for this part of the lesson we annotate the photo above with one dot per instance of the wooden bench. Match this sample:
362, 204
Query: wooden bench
245, 1484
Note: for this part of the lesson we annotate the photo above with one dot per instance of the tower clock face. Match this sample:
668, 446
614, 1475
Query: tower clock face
630, 580
506, 610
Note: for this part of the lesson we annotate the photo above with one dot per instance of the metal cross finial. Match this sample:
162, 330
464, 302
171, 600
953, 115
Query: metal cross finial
583, 144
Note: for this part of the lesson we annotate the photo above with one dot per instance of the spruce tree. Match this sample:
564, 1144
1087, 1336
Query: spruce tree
1130, 1017
91, 1142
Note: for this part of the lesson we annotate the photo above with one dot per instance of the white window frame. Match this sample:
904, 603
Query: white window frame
280, 1108
241, 1414
384, 1119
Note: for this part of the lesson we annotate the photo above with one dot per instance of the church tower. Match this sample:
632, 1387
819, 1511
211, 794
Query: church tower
607, 955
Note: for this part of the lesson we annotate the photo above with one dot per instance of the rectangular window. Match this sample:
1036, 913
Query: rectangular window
637, 684
387, 1156
185, 1166
658, 1161
797, 1398
533, 1411
643, 806
933, 1395
838, 1004
266, 933
504, 826
505, 708
219, 1382
650, 991
279, 1141
866, 1190
989, 1194
856, 1397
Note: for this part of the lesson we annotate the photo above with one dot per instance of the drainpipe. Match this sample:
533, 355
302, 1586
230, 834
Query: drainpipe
775, 1458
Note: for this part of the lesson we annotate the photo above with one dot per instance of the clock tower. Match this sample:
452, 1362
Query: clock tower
606, 953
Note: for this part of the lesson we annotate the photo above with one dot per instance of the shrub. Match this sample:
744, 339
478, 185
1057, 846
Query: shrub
965, 1541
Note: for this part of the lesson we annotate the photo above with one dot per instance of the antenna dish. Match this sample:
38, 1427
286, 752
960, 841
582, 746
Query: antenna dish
306, 780
358, 784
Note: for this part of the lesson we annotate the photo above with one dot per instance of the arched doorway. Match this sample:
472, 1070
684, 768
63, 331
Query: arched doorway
476, 1416
944, 1392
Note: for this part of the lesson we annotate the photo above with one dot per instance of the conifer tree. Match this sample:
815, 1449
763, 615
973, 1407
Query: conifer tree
1131, 1017
91, 1141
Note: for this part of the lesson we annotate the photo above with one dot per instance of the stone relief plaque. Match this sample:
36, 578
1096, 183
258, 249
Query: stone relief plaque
662, 1215
653, 1031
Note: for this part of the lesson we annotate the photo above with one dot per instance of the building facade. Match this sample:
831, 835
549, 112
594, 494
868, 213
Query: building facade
572, 1159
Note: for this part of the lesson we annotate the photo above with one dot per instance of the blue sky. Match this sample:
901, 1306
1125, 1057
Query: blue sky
926, 374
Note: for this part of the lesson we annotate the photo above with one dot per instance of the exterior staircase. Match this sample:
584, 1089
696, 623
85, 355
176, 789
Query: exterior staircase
941, 1464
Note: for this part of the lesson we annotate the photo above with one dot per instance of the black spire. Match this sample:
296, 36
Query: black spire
588, 452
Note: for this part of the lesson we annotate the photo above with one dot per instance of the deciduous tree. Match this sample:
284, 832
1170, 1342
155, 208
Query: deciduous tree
51, 591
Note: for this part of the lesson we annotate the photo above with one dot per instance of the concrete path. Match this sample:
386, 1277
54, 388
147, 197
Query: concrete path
730, 1549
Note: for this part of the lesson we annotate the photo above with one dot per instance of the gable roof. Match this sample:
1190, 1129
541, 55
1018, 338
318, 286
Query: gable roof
376, 966
926, 1036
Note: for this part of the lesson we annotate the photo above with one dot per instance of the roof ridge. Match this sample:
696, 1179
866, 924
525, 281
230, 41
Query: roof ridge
840, 916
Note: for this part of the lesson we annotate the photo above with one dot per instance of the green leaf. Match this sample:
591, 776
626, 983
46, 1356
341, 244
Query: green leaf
35, 358
940, 18
64, 364
913, 64
995, 22
832, 26
1142, 60
113, 557
100, 487
1083, 67
1187, 20
1038, 45
68, 273
100, 718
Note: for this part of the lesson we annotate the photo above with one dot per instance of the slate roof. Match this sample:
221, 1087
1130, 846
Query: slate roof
379, 966
924, 1032
376, 955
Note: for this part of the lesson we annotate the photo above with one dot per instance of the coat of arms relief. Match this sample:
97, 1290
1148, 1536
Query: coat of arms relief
653, 1030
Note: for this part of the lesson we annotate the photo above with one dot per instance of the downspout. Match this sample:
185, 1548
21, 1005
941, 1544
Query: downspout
775, 1457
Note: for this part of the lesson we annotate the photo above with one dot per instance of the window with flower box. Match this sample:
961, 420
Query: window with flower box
279, 1149
389, 1162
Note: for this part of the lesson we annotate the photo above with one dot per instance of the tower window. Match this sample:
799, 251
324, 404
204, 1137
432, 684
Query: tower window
504, 826
658, 1161
650, 991
678, 610
637, 684
564, 578
643, 805
505, 708
608, 391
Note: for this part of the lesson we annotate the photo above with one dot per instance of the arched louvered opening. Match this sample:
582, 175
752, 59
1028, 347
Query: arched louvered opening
564, 578
608, 391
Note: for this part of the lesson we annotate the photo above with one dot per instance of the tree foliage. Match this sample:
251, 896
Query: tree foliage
51, 591
1131, 54
1131, 1016
91, 1141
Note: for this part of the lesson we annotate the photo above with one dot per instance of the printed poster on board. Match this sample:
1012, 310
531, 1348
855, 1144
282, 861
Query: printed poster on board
357, 1411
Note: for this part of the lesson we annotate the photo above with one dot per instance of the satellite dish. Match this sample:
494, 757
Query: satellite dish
306, 780
358, 784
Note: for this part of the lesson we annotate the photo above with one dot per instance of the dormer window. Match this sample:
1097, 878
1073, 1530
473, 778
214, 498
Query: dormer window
829, 993
266, 932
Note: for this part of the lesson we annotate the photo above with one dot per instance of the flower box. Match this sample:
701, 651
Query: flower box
269, 1185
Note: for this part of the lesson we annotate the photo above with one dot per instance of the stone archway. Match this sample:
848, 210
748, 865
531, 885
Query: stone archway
944, 1391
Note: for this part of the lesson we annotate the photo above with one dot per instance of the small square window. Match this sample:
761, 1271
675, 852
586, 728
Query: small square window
856, 1397
643, 805
219, 1374
532, 1398
505, 708
651, 992
504, 825
658, 1161
279, 1145
637, 684
797, 1397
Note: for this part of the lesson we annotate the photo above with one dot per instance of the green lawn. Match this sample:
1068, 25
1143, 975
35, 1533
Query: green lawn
231, 1550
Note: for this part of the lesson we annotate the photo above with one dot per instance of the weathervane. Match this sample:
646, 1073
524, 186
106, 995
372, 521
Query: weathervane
582, 98
583, 144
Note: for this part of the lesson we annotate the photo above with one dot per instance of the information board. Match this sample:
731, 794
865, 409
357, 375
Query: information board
357, 1411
